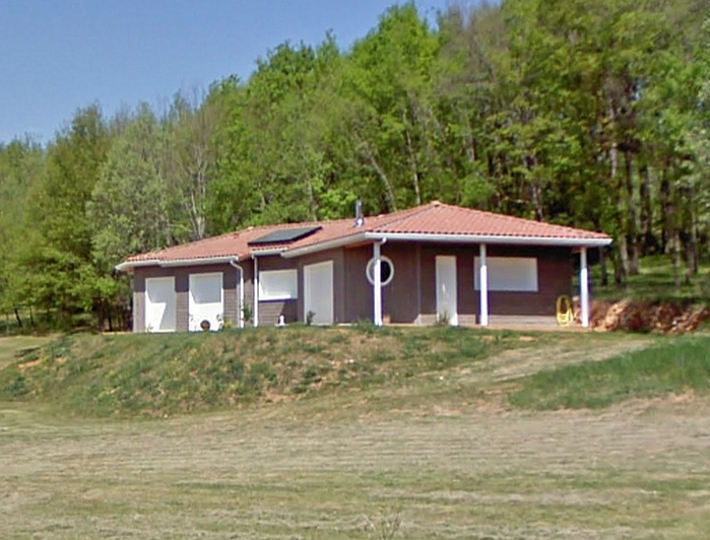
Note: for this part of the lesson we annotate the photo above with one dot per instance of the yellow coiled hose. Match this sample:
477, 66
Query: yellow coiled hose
565, 313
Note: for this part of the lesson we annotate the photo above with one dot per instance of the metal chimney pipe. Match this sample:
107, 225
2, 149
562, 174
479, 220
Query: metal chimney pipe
359, 219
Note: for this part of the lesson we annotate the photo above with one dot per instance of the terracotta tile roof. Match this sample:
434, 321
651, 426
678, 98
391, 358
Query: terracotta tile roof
234, 244
439, 218
434, 219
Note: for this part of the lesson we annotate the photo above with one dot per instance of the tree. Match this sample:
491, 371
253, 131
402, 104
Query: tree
191, 157
56, 259
21, 165
393, 122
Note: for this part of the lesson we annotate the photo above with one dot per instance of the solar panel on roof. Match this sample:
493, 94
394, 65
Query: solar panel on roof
285, 235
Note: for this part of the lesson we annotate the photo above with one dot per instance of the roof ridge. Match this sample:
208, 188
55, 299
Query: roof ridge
294, 224
405, 213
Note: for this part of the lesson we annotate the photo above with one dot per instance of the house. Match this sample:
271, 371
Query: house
431, 263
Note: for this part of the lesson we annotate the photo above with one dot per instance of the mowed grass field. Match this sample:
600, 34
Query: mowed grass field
442, 454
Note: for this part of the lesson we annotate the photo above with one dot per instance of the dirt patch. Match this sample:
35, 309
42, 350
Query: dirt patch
517, 363
27, 365
643, 316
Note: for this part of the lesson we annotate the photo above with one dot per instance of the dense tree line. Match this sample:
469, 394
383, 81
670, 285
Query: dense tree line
590, 114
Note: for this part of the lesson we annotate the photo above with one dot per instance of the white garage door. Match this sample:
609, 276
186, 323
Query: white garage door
206, 302
160, 304
318, 292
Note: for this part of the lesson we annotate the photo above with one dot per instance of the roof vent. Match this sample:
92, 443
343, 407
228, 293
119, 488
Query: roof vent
359, 219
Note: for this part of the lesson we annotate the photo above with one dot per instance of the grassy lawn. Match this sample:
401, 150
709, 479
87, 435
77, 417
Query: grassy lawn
672, 366
655, 282
436, 454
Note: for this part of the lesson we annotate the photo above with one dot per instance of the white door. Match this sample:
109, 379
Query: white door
318, 292
446, 299
206, 302
160, 304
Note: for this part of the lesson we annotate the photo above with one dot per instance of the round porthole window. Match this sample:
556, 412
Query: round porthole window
386, 271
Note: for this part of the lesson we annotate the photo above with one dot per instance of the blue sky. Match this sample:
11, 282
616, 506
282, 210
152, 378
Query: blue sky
59, 55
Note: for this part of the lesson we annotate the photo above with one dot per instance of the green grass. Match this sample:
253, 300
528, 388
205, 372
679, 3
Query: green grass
675, 366
156, 375
655, 282
433, 451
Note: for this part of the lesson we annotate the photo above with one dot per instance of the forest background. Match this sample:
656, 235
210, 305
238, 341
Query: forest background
589, 114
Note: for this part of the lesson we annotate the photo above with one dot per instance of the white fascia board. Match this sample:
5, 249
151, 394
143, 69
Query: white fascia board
199, 262
488, 239
127, 266
323, 246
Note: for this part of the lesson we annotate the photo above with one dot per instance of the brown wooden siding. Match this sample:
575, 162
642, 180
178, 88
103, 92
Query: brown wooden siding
230, 284
358, 291
138, 284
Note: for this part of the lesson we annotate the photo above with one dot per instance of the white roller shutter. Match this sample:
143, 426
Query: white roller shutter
160, 304
206, 302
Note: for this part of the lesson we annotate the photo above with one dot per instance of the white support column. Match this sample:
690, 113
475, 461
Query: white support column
240, 284
377, 287
255, 311
584, 286
483, 285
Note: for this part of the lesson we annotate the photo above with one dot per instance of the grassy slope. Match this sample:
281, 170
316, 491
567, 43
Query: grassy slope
165, 374
158, 375
673, 366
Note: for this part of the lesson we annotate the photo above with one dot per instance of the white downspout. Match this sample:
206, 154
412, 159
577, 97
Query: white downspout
483, 285
240, 307
256, 293
584, 286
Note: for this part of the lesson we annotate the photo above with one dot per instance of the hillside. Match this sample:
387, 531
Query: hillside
160, 375
156, 375
356, 434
